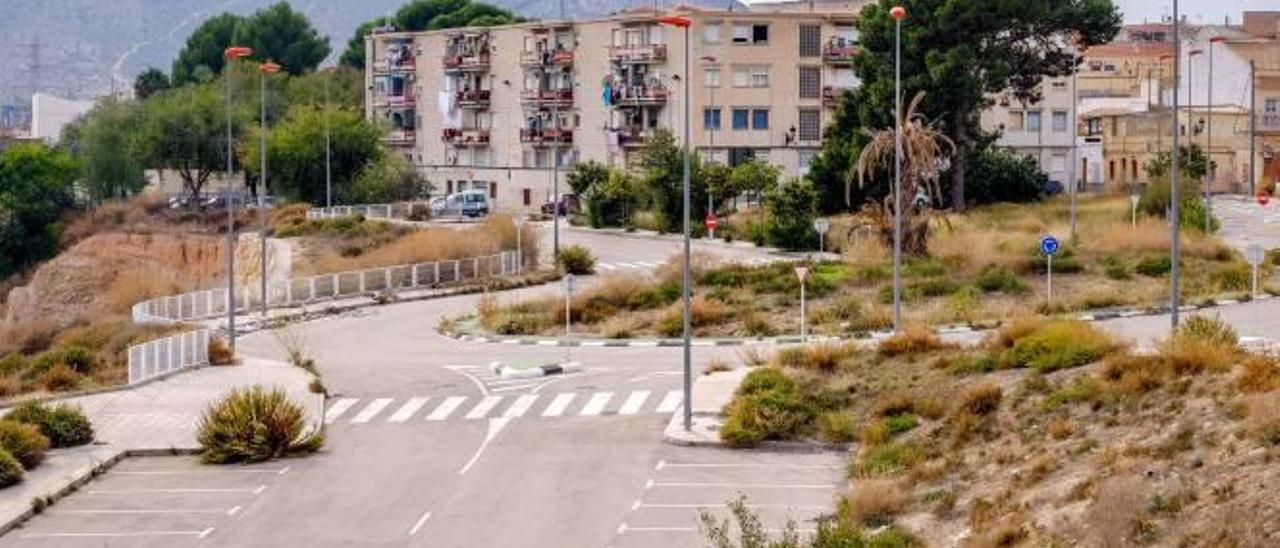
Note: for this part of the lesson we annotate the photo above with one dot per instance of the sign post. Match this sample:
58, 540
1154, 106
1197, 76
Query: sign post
821, 225
568, 296
1049, 246
802, 272
519, 245
1255, 255
1133, 206
712, 222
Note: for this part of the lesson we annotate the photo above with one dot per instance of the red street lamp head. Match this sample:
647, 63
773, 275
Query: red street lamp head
1194, 52
675, 21
710, 59
236, 52
269, 68
1217, 39
898, 12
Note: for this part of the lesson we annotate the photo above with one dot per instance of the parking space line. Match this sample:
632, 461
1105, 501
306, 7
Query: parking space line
371, 410
198, 534
670, 402
418, 524
559, 404
633, 403
484, 407
520, 406
200, 472
257, 490
596, 404
140, 512
745, 485
446, 408
338, 408
772, 466
723, 505
408, 409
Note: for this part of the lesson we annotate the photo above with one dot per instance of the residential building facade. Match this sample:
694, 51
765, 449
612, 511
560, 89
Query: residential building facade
1043, 131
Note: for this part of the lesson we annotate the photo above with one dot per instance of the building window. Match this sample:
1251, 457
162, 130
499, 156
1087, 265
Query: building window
711, 33
810, 40
711, 119
1111, 170
751, 76
810, 124
1059, 121
1133, 168
760, 119
493, 190
750, 33
806, 160
810, 83
1058, 85
741, 34
1058, 162
711, 78
1033, 120
739, 156
740, 118
1271, 106
527, 197
1015, 121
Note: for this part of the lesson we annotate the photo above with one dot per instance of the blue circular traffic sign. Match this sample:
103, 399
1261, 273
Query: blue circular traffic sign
1049, 245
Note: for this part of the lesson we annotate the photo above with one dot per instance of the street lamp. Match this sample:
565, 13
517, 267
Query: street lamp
231, 54
1208, 146
328, 144
898, 12
263, 70
685, 23
1173, 175
711, 133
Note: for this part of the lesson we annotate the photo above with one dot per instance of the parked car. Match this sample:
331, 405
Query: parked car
568, 204
439, 205
470, 203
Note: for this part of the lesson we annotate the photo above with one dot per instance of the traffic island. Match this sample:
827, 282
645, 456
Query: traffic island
533, 370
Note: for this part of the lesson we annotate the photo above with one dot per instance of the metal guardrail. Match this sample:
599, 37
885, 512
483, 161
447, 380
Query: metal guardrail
167, 355
368, 211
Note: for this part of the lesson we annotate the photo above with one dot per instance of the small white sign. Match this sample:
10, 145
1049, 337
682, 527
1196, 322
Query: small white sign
568, 282
821, 225
1255, 254
802, 272
519, 221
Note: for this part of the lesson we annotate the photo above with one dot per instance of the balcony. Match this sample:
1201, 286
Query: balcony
632, 137
651, 53
637, 96
1269, 122
546, 136
403, 65
403, 100
840, 52
466, 63
831, 95
476, 98
465, 137
558, 58
400, 137
547, 97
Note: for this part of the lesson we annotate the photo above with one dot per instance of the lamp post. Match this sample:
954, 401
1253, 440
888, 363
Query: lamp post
328, 146
1173, 175
263, 70
231, 54
685, 23
1208, 145
711, 135
898, 13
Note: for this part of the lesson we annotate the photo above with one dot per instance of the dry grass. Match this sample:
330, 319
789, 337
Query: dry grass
1112, 516
138, 285
26, 337
875, 502
981, 400
1258, 374
1263, 421
496, 233
821, 357
912, 340
220, 353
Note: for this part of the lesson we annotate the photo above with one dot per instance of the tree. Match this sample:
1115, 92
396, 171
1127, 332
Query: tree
353, 56
585, 175
965, 53
205, 48
792, 208
279, 34
149, 82
1001, 175
388, 179
663, 165
35, 189
346, 88
110, 147
717, 179
296, 152
421, 15
755, 177
184, 129
610, 202
1193, 163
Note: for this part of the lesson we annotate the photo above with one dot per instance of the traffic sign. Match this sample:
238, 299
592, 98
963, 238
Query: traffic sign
712, 221
1049, 245
802, 272
821, 225
1263, 198
1255, 254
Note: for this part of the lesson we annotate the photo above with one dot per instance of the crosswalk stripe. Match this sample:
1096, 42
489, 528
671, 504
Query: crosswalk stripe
520, 406
596, 404
647, 264
446, 408
633, 403
559, 404
338, 408
484, 407
408, 409
371, 410
670, 402
606, 266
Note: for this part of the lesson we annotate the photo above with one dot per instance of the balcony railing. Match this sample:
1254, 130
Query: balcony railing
840, 52
386, 100
465, 137
831, 95
638, 54
547, 96
642, 95
476, 98
632, 137
1269, 122
546, 136
401, 137
560, 57
406, 64
469, 63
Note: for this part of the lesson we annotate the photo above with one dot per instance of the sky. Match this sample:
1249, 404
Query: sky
1135, 11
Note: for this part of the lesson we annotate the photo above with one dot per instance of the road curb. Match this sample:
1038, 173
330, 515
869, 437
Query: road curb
507, 372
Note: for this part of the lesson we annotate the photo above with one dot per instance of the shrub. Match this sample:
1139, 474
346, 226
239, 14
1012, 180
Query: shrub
1258, 374
969, 364
11, 363
64, 425
821, 357
254, 425
1059, 345
59, 378
998, 278
1154, 266
767, 406
1115, 268
1232, 277
836, 427
10, 469
1211, 330
9, 386
1190, 355
791, 210
982, 399
912, 340
702, 312
220, 353
1135, 375
886, 459
875, 502
897, 424
576, 260
24, 442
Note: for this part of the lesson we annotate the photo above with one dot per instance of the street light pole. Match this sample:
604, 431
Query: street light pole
263, 70
898, 12
1075, 146
328, 146
1173, 178
685, 23
711, 148
1208, 146
231, 54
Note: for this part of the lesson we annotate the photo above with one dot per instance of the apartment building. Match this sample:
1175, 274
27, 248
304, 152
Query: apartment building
499, 108
1043, 130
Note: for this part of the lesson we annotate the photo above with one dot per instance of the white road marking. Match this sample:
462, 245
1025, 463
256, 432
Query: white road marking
518, 387
178, 490
633, 403
200, 472
596, 404
338, 408
144, 512
671, 402
205, 533
371, 410
233, 511
484, 407
408, 409
520, 406
197, 534
446, 408
495, 426
559, 404
606, 266
771, 466
418, 524
648, 376
647, 264
745, 485
723, 505
462, 370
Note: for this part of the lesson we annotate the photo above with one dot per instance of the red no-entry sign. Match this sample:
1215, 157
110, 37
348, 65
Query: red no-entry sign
1263, 198
712, 221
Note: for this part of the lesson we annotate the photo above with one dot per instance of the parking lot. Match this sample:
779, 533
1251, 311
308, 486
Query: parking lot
778, 487
151, 501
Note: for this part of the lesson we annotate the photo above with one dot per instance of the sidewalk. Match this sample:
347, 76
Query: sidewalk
159, 417
710, 394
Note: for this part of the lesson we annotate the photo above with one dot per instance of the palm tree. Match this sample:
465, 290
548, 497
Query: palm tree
925, 153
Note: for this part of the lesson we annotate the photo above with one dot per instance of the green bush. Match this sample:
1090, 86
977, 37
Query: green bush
64, 425
969, 364
886, 459
767, 406
1192, 213
902, 422
935, 287
10, 469
1155, 266
24, 442
1209, 329
792, 207
997, 278
1059, 345
254, 425
1232, 277
1115, 268
837, 427
576, 260
11, 363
